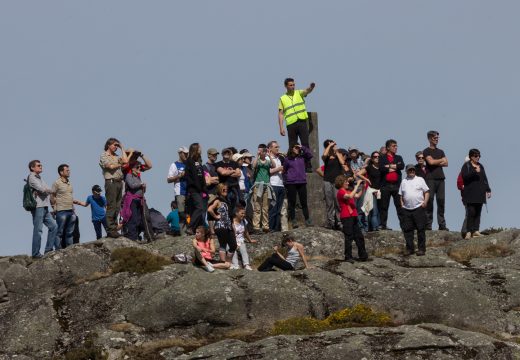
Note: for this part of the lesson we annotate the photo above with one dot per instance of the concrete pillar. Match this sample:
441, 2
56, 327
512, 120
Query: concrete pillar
314, 139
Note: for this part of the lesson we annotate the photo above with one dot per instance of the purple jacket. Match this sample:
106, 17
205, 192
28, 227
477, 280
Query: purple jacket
294, 168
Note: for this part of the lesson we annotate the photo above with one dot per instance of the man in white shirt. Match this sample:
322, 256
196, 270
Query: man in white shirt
276, 180
414, 194
176, 176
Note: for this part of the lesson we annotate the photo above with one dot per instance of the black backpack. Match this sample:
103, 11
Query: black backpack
29, 202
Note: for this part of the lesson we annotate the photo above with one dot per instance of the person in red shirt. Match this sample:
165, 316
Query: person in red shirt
390, 166
347, 195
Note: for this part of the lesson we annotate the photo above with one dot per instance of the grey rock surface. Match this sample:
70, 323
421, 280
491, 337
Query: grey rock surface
425, 341
55, 303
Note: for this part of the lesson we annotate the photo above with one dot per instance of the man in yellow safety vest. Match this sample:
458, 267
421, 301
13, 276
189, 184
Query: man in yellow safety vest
292, 108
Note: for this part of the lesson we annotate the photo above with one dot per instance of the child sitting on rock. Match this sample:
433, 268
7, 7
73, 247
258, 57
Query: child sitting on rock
204, 249
241, 234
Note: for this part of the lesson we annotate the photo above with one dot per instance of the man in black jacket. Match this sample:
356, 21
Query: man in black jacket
195, 187
390, 166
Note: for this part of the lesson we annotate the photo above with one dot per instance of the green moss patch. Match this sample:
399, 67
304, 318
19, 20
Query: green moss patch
359, 315
136, 260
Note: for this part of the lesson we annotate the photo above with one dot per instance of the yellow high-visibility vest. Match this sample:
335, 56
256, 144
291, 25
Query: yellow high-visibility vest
293, 108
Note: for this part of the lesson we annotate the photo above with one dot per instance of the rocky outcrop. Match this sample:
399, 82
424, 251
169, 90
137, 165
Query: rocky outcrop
50, 306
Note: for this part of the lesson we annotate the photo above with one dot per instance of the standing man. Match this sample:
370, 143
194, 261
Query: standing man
176, 176
390, 166
292, 107
414, 198
209, 167
435, 161
111, 165
229, 173
276, 181
63, 203
42, 214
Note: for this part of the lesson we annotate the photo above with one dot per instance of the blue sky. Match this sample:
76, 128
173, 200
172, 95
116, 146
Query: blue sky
161, 74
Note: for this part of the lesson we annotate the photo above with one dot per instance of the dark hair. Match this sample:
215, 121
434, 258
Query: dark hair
232, 149
390, 142
33, 163
473, 152
262, 146
61, 167
372, 156
195, 153
432, 133
109, 142
327, 142
291, 154
136, 164
287, 81
173, 204
286, 237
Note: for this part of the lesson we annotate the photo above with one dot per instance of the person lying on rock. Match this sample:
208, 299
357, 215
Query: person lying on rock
204, 249
295, 256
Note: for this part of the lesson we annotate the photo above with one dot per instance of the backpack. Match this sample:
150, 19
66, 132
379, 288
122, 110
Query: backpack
29, 202
159, 223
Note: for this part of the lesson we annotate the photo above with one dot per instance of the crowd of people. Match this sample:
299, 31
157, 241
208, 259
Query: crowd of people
245, 194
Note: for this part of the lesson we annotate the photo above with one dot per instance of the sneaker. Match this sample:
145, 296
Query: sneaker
468, 236
476, 234
209, 268
444, 228
420, 253
234, 267
39, 256
308, 222
349, 260
384, 228
247, 267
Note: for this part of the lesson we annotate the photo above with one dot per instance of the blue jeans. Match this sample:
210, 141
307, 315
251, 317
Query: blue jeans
66, 220
97, 227
373, 216
275, 212
40, 217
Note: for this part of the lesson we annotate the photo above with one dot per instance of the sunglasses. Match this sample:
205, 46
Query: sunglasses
420, 157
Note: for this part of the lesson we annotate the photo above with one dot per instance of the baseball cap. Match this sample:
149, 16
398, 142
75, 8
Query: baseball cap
183, 149
237, 157
96, 188
353, 148
247, 154
212, 151
226, 150
410, 166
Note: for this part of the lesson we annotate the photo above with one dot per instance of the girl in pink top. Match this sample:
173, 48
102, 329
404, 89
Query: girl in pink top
204, 248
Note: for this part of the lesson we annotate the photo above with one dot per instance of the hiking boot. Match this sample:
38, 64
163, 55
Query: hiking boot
443, 228
308, 222
384, 227
408, 252
476, 234
349, 260
39, 256
468, 236
294, 225
420, 253
114, 235
364, 259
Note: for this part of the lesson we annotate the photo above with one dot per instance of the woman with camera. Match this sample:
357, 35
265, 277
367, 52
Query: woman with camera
335, 164
347, 195
295, 181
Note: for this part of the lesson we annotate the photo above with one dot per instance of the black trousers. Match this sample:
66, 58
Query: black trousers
299, 129
438, 189
389, 191
197, 206
414, 220
226, 238
352, 232
292, 191
275, 260
473, 212
133, 226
